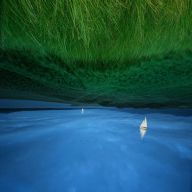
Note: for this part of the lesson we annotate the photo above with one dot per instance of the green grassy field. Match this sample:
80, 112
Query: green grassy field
114, 52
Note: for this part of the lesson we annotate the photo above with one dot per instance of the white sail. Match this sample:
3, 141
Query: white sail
82, 111
143, 128
144, 124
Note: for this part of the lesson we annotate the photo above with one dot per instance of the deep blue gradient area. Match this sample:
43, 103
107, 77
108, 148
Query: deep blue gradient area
98, 151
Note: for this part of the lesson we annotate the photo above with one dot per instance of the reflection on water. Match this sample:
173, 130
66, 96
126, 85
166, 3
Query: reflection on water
143, 132
64, 151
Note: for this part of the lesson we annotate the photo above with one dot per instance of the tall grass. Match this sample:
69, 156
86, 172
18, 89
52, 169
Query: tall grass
165, 81
104, 30
117, 52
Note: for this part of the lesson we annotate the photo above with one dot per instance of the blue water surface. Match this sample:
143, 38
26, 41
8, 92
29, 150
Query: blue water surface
98, 151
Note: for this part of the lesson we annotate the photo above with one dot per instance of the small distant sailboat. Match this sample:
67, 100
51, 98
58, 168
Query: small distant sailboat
82, 111
143, 128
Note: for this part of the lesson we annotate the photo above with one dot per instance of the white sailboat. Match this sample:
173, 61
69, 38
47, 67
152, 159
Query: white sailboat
82, 110
144, 124
143, 128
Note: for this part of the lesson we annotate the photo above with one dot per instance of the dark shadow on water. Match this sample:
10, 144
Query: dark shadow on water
141, 111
